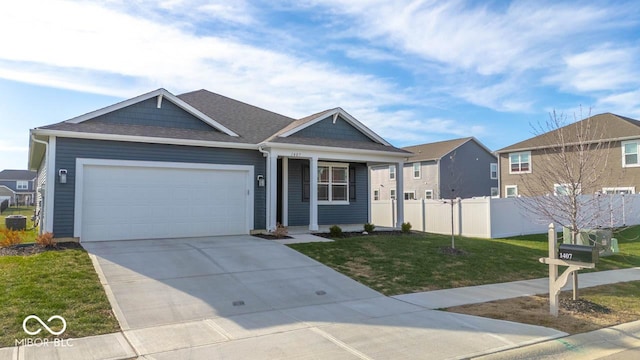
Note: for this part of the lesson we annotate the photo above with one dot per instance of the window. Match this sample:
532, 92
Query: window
22, 185
428, 194
495, 192
376, 195
520, 162
392, 172
333, 183
619, 190
493, 171
392, 194
564, 189
511, 191
630, 154
409, 195
416, 170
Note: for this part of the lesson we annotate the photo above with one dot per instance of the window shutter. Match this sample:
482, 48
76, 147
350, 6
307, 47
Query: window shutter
352, 183
306, 183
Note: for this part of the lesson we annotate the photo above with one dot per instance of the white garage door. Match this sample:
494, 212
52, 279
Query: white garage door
149, 200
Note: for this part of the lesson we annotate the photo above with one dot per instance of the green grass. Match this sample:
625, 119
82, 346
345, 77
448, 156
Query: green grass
399, 264
52, 283
31, 233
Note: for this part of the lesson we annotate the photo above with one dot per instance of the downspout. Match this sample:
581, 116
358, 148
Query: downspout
46, 151
268, 195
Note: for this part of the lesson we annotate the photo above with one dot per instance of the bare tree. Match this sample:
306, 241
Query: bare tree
569, 160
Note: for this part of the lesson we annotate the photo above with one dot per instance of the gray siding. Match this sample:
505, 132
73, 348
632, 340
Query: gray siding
146, 113
341, 130
67, 150
469, 175
357, 212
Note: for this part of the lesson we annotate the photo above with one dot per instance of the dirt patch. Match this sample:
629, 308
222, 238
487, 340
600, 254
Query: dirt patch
448, 250
574, 316
272, 237
31, 249
358, 268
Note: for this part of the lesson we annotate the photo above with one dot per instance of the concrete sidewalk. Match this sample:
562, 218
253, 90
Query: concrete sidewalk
371, 336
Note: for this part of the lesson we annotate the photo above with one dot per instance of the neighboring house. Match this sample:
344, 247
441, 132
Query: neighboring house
201, 164
461, 168
18, 186
622, 171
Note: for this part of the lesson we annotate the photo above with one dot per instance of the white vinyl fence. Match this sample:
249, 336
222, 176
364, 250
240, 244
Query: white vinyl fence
497, 218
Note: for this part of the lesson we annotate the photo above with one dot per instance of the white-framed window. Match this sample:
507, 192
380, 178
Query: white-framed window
416, 170
619, 190
495, 192
22, 185
493, 171
564, 189
428, 194
520, 162
511, 191
333, 183
409, 195
376, 195
392, 194
392, 172
630, 153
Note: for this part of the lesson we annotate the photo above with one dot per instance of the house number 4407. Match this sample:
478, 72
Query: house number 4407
296, 154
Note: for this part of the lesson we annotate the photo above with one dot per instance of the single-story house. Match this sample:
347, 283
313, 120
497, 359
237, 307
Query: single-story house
201, 164
18, 186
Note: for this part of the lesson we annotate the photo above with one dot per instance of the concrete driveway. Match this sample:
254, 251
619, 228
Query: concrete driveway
245, 297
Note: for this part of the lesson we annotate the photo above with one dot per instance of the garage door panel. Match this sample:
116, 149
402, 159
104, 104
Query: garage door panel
129, 202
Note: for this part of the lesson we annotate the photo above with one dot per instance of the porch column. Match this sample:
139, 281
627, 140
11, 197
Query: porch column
400, 194
272, 191
313, 194
285, 191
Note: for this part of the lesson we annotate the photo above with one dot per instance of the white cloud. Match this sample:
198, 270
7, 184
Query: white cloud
625, 104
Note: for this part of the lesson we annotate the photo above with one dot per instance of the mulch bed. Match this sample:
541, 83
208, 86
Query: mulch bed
353, 234
31, 249
583, 306
271, 237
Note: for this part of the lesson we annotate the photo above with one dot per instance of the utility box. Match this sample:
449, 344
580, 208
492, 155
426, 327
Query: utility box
578, 253
16, 222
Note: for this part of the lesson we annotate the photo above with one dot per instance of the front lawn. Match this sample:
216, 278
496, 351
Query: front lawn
400, 264
62, 283
31, 233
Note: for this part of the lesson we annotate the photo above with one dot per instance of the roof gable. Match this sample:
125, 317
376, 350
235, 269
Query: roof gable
11, 175
436, 150
607, 127
160, 96
333, 116
333, 127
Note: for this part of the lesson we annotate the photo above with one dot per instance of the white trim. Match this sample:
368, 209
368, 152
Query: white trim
428, 191
285, 191
21, 182
335, 113
400, 190
336, 153
331, 165
143, 139
313, 194
369, 214
630, 189
622, 145
272, 189
409, 192
519, 153
566, 186
393, 196
492, 165
79, 179
50, 185
506, 191
161, 93
392, 170
376, 194
413, 170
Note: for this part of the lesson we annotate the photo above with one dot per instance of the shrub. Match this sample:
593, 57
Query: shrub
46, 239
281, 231
369, 227
335, 231
10, 237
406, 227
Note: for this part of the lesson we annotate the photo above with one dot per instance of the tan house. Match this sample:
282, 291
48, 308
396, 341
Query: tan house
611, 145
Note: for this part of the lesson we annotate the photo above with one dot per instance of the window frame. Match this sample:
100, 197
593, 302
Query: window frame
410, 192
392, 194
613, 190
419, 170
497, 192
492, 171
506, 191
624, 153
567, 186
330, 183
519, 154
376, 194
22, 185
392, 172
428, 197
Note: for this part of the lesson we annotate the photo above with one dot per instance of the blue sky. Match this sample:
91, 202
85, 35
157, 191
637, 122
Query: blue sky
413, 71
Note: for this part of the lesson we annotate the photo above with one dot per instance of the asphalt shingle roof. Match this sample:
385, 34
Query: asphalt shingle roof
17, 175
436, 150
605, 126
